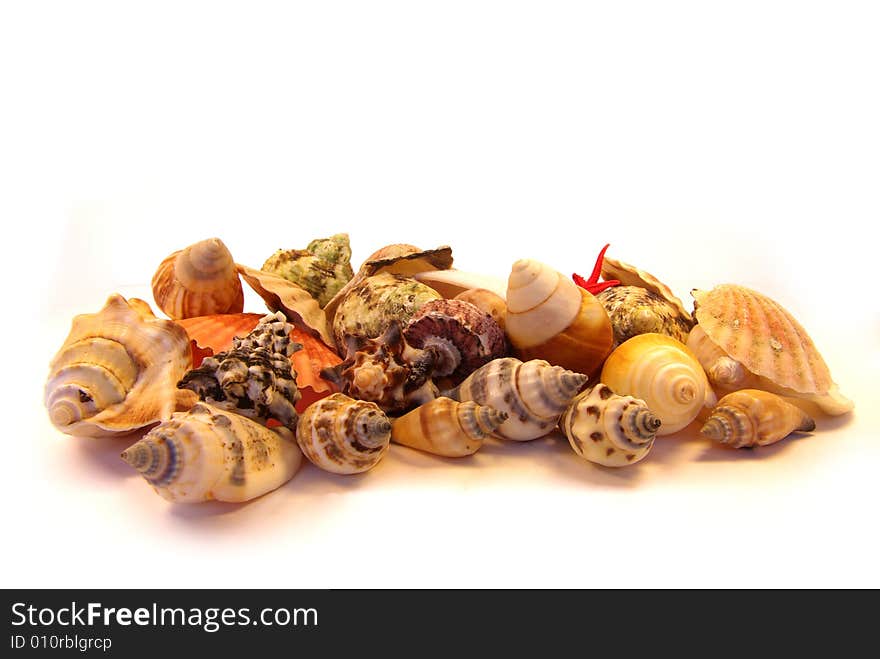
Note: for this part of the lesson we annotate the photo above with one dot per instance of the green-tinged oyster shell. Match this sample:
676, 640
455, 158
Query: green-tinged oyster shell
322, 268
634, 310
368, 309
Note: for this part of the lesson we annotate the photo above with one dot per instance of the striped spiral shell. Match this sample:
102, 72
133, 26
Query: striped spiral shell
446, 427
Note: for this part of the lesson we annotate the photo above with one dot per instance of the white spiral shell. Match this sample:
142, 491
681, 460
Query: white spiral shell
208, 453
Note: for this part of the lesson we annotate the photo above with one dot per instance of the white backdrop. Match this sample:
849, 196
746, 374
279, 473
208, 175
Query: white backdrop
707, 144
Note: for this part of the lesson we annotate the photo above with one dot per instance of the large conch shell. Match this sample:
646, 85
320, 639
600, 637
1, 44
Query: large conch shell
756, 334
610, 430
208, 453
533, 394
662, 372
751, 417
550, 318
343, 435
446, 427
117, 371
198, 280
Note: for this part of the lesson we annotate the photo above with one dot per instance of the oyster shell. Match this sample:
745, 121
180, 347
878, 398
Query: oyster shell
322, 268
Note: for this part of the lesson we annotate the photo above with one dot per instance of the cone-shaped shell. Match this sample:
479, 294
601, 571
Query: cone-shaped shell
551, 318
610, 430
446, 427
343, 435
533, 394
751, 417
198, 281
117, 371
207, 454
662, 372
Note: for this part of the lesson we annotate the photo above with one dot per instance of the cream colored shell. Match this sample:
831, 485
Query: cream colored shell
117, 371
207, 454
751, 417
662, 372
447, 427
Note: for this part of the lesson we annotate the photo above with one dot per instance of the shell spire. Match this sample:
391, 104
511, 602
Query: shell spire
446, 427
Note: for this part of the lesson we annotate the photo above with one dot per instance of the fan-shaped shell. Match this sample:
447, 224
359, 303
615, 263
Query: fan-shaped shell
447, 427
550, 318
610, 430
343, 435
533, 394
751, 417
662, 372
198, 280
117, 370
207, 453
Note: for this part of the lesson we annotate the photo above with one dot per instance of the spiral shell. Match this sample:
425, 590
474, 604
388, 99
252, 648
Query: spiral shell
117, 371
322, 268
198, 281
630, 275
550, 318
634, 310
343, 435
662, 372
446, 427
751, 417
766, 340
208, 453
610, 430
487, 302
533, 394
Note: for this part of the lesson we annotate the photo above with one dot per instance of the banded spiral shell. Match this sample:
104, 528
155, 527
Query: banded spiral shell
198, 280
751, 417
208, 454
533, 394
117, 371
551, 318
768, 341
343, 435
610, 430
662, 372
447, 427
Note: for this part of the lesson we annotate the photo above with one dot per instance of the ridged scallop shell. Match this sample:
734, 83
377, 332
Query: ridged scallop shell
464, 337
322, 268
343, 435
751, 417
765, 338
533, 394
208, 453
610, 430
550, 318
198, 280
447, 427
629, 275
635, 310
117, 371
662, 372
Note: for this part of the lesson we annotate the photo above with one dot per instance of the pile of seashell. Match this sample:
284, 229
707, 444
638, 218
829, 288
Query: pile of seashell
411, 351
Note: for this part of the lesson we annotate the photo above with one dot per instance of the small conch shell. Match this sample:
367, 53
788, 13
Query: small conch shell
751, 417
662, 372
551, 318
343, 435
198, 281
775, 351
208, 453
533, 394
117, 371
610, 430
446, 427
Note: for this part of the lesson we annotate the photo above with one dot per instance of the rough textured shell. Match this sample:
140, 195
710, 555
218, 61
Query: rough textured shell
197, 281
550, 318
662, 372
117, 371
343, 435
447, 427
751, 417
635, 310
208, 453
533, 394
322, 269
370, 307
629, 275
610, 430
464, 337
